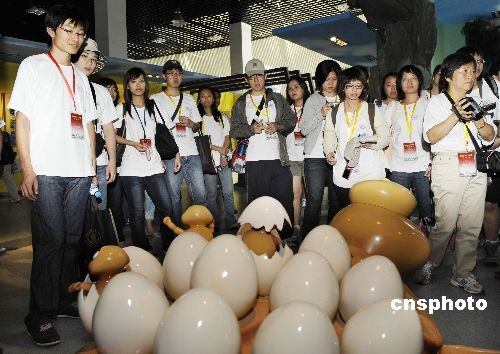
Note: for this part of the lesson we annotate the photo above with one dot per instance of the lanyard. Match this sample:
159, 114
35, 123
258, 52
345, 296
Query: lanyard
355, 123
175, 105
408, 121
71, 93
299, 118
138, 116
257, 108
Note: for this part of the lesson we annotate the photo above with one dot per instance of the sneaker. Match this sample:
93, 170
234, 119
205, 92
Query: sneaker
69, 312
424, 274
44, 335
469, 284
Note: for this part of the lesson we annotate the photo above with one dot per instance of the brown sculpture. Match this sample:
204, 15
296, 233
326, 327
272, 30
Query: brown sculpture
198, 218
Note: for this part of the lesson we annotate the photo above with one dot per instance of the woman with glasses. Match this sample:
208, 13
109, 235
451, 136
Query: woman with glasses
353, 143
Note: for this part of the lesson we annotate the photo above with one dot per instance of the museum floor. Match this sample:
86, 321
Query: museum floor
473, 328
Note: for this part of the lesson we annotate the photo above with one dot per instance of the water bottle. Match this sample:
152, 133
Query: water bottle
94, 190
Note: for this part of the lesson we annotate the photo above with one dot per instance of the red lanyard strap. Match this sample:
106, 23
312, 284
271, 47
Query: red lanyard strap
71, 93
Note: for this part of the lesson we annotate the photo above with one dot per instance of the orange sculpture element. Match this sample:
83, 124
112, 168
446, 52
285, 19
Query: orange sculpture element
198, 218
380, 231
260, 242
251, 322
385, 194
110, 260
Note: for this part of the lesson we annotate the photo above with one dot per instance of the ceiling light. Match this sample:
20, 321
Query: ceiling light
338, 41
159, 40
215, 37
178, 20
36, 10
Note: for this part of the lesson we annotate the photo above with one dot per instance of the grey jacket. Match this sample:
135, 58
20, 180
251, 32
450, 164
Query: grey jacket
285, 119
312, 119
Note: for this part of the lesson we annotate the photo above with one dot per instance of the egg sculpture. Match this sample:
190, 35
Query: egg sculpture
145, 263
374, 278
373, 223
86, 305
265, 212
127, 315
327, 241
378, 329
295, 328
199, 321
226, 266
179, 261
307, 276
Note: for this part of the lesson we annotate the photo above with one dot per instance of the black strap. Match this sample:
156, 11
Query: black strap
371, 114
176, 108
261, 105
161, 116
492, 84
92, 89
480, 86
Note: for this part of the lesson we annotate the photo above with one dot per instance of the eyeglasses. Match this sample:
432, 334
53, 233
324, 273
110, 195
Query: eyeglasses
73, 33
174, 73
255, 77
355, 87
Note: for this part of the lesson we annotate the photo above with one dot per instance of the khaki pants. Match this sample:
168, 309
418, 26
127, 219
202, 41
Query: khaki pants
459, 205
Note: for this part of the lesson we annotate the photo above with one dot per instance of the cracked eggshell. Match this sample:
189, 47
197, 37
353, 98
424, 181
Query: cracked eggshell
265, 212
86, 305
377, 328
329, 242
128, 314
307, 276
227, 266
200, 321
268, 268
145, 263
179, 261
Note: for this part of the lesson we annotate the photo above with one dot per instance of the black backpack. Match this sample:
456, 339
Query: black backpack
8, 154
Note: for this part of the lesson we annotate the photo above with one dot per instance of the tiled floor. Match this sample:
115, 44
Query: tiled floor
474, 328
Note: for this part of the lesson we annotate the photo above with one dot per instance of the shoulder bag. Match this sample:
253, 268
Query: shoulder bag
203, 144
164, 141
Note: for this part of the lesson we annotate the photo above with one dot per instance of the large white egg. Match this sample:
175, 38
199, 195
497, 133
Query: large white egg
328, 241
200, 321
296, 328
265, 212
378, 329
226, 266
307, 276
372, 279
179, 261
86, 305
128, 314
145, 263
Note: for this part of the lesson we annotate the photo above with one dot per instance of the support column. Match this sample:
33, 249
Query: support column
240, 46
111, 27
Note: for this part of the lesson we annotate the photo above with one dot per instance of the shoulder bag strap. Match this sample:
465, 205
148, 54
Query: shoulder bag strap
371, 115
92, 90
176, 108
492, 84
335, 109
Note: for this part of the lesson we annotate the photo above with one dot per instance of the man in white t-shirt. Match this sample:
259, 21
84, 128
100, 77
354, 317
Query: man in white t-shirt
90, 60
180, 111
55, 142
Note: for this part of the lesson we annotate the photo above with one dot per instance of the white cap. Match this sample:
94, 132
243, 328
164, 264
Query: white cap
91, 45
254, 67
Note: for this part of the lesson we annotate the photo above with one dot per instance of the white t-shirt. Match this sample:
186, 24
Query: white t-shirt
294, 141
41, 94
438, 110
184, 136
487, 97
217, 132
317, 151
396, 121
106, 113
134, 162
261, 147
370, 165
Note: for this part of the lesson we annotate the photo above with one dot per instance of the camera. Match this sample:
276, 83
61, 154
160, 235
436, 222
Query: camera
476, 110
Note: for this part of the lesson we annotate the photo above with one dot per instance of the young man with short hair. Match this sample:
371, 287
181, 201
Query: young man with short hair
55, 142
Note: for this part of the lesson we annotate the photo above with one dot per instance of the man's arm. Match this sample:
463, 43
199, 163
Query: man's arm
90, 129
110, 138
29, 183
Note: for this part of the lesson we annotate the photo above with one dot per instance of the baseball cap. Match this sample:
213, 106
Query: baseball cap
171, 65
254, 67
91, 45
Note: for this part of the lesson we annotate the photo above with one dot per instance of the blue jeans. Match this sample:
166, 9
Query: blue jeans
192, 172
422, 187
103, 187
157, 189
226, 181
149, 207
56, 226
318, 174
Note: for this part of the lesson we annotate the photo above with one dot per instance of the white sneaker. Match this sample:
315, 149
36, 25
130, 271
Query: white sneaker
470, 284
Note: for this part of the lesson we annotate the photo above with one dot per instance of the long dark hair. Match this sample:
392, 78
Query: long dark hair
107, 82
323, 69
132, 74
303, 86
215, 111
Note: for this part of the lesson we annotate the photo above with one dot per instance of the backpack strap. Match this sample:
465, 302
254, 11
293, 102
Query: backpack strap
371, 115
480, 86
492, 84
335, 109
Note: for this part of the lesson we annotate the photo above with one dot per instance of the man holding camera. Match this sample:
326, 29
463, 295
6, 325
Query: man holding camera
459, 189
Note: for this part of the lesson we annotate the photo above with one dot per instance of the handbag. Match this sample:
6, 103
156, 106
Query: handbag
238, 160
120, 148
203, 144
164, 140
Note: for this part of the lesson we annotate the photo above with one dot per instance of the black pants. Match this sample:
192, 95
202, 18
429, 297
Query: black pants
115, 204
343, 195
269, 178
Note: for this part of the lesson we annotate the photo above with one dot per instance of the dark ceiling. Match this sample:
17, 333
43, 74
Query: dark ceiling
150, 33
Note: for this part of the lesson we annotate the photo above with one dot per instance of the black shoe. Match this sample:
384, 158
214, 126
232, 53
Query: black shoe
69, 312
44, 335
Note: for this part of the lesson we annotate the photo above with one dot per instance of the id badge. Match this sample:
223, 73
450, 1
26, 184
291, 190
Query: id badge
409, 151
180, 130
76, 126
146, 142
299, 138
467, 164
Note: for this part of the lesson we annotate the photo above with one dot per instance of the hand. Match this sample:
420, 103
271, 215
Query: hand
271, 128
256, 128
140, 147
177, 163
460, 106
223, 161
110, 172
185, 121
95, 180
325, 109
29, 184
428, 171
330, 158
